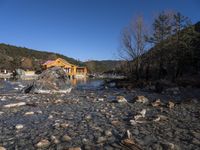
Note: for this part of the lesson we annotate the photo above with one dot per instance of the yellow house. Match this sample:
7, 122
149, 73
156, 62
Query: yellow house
73, 71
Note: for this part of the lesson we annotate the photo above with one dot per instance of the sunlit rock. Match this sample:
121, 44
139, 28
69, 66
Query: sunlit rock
15, 105
43, 144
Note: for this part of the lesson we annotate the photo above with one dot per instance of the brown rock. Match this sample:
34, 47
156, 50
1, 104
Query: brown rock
171, 105
2, 148
141, 99
156, 103
43, 144
74, 148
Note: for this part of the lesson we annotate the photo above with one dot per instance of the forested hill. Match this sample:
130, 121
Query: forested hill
174, 58
12, 57
96, 66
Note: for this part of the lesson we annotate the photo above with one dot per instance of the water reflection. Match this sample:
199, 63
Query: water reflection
10, 85
77, 81
87, 83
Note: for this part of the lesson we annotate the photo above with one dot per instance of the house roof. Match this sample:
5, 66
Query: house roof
48, 62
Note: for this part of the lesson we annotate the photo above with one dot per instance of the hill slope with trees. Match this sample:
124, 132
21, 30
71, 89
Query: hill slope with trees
175, 52
12, 57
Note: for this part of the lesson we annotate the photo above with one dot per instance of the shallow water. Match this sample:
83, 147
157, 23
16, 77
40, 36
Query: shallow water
13, 86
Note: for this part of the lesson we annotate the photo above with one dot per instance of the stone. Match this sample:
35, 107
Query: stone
108, 133
196, 134
15, 105
160, 118
101, 139
19, 126
52, 80
88, 117
116, 123
148, 139
1, 112
121, 99
141, 99
66, 138
131, 144
74, 148
55, 140
2, 148
43, 144
29, 113
171, 105
50, 117
143, 113
101, 99
156, 103
136, 132
64, 125
196, 141
58, 101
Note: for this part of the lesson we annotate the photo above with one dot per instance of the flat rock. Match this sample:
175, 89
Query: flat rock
43, 144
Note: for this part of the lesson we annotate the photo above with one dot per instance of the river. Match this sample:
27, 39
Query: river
15, 86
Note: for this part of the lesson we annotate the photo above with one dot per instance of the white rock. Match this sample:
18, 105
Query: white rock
55, 139
29, 113
50, 117
100, 99
15, 105
1, 112
133, 122
19, 126
143, 113
3, 98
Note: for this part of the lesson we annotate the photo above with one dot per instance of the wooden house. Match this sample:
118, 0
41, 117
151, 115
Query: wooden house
73, 71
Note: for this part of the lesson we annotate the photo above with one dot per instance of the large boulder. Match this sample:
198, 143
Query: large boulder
52, 80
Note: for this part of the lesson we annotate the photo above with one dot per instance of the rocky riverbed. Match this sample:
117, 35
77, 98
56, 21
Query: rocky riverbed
106, 118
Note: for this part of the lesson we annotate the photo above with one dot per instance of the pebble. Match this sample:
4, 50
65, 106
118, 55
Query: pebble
66, 138
2, 148
101, 99
101, 139
64, 125
50, 117
121, 99
88, 117
74, 148
171, 104
15, 105
156, 103
43, 144
29, 113
19, 126
141, 99
108, 133
55, 139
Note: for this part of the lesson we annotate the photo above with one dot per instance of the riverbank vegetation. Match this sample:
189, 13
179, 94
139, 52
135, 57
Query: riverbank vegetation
169, 50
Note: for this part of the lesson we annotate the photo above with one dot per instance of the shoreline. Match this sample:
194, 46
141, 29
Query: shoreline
92, 119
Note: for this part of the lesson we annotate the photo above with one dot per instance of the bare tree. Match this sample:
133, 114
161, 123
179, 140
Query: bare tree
133, 44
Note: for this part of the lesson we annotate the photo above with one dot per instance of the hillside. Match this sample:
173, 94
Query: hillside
95, 66
12, 57
178, 62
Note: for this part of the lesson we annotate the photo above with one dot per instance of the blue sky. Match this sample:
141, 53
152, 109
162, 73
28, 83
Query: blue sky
82, 29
